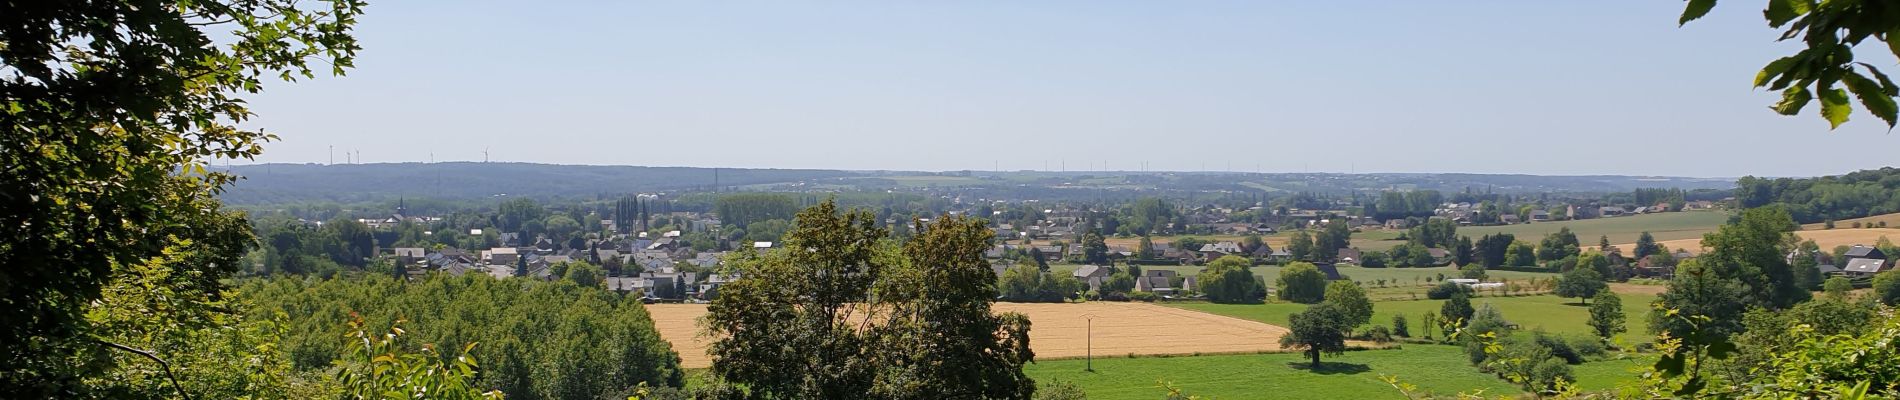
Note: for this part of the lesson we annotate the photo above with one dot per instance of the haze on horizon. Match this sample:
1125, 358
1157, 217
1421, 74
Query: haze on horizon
1611, 87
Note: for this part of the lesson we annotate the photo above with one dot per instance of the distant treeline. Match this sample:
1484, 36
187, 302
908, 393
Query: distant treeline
1810, 200
349, 183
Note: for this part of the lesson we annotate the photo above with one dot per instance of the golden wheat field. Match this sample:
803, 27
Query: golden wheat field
1827, 239
1056, 330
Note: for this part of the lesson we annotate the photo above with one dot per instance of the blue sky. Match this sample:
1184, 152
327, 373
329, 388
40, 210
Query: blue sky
1538, 87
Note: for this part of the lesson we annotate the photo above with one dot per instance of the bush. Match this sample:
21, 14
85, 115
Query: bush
1445, 290
1378, 334
1588, 346
1399, 327
1059, 390
1887, 287
1545, 375
1558, 347
1143, 296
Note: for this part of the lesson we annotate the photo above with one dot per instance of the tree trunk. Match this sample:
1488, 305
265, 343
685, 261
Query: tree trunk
1315, 353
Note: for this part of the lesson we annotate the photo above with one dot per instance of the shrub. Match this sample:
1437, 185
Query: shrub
1143, 296
1445, 290
1558, 347
1378, 334
1588, 346
1399, 327
1545, 375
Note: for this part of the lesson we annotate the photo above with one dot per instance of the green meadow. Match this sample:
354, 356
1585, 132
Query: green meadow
1438, 369
1550, 313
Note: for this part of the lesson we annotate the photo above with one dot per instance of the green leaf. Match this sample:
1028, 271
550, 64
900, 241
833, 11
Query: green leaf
1780, 12
1793, 100
1872, 95
1777, 67
1721, 350
1696, 9
1693, 386
1834, 107
1670, 365
1893, 41
1886, 85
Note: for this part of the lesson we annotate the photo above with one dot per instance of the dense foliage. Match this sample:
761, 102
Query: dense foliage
1230, 279
1829, 30
536, 340
109, 112
1813, 200
1301, 283
842, 312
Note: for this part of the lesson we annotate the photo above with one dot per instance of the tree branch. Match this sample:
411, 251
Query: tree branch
161, 363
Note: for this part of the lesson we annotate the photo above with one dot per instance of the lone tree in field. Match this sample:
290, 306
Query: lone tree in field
1606, 315
1321, 328
1302, 283
1581, 283
842, 312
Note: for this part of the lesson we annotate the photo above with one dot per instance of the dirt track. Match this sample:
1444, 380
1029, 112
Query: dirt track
1057, 330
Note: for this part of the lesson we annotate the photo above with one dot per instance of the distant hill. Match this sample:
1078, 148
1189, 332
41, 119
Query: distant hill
271, 183
348, 183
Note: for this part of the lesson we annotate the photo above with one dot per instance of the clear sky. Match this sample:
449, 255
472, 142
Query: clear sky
1537, 87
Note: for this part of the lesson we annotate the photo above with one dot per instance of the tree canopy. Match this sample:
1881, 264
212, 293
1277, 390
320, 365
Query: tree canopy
851, 314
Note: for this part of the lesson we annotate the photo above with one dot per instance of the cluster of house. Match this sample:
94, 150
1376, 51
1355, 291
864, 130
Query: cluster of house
659, 261
1861, 262
1157, 281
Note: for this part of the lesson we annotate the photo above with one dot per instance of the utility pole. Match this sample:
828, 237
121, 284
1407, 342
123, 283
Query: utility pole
332, 155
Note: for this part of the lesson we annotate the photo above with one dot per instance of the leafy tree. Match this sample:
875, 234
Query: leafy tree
1301, 283
1520, 254
112, 111
1581, 283
1399, 327
1351, 300
1829, 31
1887, 287
743, 209
1837, 287
1558, 245
1434, 232
1457, 308
1119, 282
1094, 249
1465, 252
1753, 250
1473, 271
1252, 243
584, 274
514, 215
790, 328
1327, 243
1491, 250
1606, 315
1321, 328
1646, 245
1146, 250
1700, 306
1300, 247
377, 367
1026, 284
1230, 279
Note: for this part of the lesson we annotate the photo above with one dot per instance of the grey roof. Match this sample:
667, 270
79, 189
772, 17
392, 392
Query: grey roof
1866, 265
1087, 271
1859, 251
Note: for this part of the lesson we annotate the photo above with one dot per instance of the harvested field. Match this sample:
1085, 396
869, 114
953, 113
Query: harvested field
1827, 239
1057, 330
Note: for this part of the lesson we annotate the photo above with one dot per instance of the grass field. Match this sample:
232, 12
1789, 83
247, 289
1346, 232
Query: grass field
1058, 330
1401, 283
1551, 313
1664, 226
1441, 370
